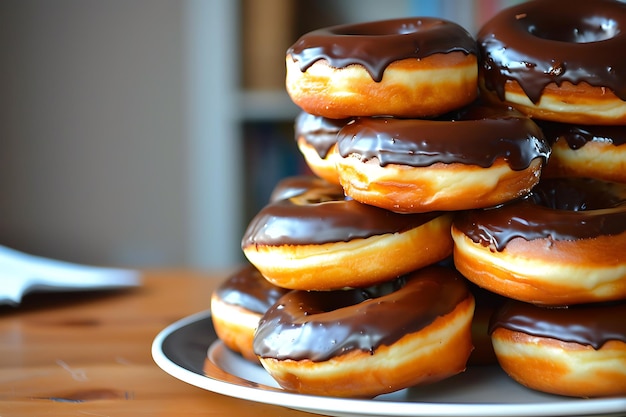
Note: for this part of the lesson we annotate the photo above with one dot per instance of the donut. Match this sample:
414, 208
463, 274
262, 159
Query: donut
322, 240
238, 304
562, 245
586, 151
486, 304
295, 185
578, 351
474, 158
366, 342
316, 137
411, 67
556, 60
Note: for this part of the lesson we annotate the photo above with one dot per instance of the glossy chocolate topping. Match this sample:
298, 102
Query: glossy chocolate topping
293, 186
319, 132
324, 215
475, 136
577, 136
557, 209
320, 325
375, 45
551, 41
249, 289
586, 324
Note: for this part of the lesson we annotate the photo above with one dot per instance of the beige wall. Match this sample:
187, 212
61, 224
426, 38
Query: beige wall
92, 139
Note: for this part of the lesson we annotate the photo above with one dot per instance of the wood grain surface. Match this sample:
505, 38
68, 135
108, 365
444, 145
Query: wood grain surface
88, 353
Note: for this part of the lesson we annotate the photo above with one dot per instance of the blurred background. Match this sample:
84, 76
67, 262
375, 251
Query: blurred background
147, 133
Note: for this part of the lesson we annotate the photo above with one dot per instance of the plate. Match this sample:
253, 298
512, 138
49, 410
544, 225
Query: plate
190, 351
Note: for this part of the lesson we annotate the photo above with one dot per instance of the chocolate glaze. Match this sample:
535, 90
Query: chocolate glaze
293, 186
577, 136
319, 132
551, 41
587, 324
375, 45
324, 215
249, 289
320, 325
476, 135
557, 209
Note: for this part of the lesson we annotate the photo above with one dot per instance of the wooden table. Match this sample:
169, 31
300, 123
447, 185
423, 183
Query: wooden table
88, 353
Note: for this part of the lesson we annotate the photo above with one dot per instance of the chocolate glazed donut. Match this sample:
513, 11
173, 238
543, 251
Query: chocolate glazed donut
320, 239
375, 45
238, 304
558, 60
369, 341
562, 245
412, 67
477, 157
318, 132
576, 351
586, 151
316, 137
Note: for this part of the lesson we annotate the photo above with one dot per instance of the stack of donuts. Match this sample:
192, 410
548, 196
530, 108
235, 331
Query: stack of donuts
468, 199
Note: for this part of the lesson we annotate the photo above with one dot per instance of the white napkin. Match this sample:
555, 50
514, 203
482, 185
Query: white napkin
21, 273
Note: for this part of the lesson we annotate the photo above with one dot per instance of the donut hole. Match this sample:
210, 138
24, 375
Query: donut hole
586, 30
577, 194
317, 196
322, 302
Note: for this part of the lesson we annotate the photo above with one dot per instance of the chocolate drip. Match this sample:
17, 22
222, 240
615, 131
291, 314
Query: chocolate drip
249, 289
375, 45
526, 43
476, 136
586, 324
577, 136
319, 132
321, 215
319, 325
557, 209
